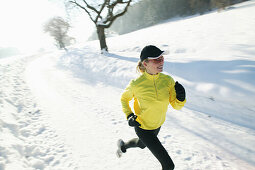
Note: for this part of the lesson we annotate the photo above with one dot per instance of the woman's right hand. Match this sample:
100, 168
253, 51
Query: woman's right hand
132, 120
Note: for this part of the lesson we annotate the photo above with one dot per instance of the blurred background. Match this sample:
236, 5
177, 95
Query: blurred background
22, 22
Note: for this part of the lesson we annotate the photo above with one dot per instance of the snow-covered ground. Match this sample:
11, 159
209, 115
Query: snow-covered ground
62, 110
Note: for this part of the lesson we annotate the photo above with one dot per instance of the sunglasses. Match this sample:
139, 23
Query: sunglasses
157, 60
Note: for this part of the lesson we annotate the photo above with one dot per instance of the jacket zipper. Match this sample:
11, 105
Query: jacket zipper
155, 87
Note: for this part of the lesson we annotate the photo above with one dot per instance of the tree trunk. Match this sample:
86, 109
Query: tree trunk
62, 45
101, 37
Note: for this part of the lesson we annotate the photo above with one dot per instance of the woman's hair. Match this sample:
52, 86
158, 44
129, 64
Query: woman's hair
140, 67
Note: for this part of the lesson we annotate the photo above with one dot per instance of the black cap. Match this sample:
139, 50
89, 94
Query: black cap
150, 51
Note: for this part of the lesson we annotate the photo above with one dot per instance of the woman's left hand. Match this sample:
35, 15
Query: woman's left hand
180, 91
132, 120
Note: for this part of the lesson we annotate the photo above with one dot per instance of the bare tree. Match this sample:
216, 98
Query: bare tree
103, 13
57, 27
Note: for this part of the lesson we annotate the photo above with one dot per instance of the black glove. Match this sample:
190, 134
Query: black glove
132, 120
180, 91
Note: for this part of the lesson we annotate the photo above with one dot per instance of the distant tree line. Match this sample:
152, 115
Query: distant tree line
150, 12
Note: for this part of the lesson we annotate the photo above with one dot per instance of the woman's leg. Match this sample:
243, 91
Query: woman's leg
136, 142
150, 139
133, 143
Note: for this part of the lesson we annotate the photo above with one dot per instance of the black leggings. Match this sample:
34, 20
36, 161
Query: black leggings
149, 139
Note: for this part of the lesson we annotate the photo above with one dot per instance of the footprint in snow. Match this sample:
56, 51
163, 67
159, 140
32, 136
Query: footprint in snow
115, 122
178, 152
188, 159
165, 138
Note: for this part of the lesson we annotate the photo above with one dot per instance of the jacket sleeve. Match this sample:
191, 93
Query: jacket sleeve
175, 103
126, 97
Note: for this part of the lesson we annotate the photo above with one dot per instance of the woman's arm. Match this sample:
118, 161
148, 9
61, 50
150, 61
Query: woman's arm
126, 97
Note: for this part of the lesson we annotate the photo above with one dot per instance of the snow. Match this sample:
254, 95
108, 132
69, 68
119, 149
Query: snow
62, 110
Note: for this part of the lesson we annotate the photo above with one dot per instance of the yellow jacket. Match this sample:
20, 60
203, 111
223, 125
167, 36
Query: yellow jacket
152, 95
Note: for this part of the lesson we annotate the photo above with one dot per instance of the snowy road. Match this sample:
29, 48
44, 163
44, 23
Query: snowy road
27, 141
88, 118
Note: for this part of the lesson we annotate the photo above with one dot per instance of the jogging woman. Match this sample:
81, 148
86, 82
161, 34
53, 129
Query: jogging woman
152, 92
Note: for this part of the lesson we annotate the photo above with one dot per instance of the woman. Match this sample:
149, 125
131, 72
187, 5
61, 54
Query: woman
152, 92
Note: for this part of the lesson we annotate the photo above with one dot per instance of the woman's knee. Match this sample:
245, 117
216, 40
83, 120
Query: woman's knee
141, 144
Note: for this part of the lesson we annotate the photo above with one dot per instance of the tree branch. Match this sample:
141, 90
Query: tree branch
77, 4
102, 8
91, 7
112, 18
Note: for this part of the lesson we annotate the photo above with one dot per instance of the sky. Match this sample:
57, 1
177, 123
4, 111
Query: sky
22, 23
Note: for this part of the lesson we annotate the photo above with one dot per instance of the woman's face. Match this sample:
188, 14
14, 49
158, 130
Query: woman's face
154, 66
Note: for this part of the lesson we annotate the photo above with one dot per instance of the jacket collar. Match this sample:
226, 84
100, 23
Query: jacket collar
151, 77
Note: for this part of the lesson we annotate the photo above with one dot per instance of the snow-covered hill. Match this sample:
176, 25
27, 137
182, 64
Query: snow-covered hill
62, 110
